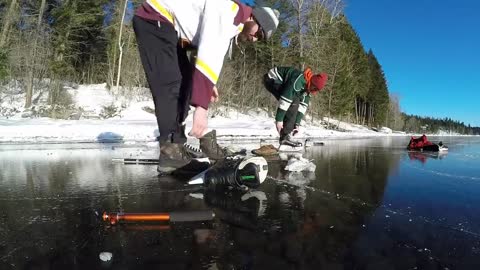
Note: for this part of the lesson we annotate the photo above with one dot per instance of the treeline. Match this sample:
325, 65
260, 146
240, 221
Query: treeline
418, 124
92, 41
314, 34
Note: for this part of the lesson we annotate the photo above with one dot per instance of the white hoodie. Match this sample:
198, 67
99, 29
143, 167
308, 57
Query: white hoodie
207, 25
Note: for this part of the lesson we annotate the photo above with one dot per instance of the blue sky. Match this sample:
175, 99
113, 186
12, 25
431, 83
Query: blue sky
429, 51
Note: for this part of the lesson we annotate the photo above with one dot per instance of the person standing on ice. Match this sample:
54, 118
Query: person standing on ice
165, 31
293, 90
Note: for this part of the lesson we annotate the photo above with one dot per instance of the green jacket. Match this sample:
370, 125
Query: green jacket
292, 90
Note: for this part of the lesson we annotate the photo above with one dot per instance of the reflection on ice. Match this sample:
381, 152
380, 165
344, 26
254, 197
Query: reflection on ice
253, 202
424, 156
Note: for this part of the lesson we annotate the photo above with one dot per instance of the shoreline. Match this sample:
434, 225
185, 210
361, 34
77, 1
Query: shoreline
131, 132
137, 126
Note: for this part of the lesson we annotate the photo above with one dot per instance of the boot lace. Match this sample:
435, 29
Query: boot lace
192, 148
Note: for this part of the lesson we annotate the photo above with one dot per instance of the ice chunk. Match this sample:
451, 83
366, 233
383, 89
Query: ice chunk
105, 256
300, 179
300, 164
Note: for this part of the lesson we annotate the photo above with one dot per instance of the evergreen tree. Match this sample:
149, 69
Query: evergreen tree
351, 79
377, 96
79, 39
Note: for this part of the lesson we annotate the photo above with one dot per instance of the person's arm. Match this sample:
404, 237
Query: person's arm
285, 101
216, 29
213, 42
302, 109
288, 75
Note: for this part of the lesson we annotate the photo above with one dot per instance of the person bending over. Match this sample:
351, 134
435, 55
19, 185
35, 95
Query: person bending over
165, 30
293, 89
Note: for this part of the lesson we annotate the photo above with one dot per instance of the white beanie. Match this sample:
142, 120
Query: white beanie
267, 18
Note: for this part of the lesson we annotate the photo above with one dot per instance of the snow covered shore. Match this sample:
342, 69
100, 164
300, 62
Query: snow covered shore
136, 123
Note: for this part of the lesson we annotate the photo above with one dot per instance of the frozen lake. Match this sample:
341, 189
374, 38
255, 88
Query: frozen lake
369, 205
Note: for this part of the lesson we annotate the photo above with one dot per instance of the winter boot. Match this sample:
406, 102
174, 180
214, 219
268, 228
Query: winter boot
173, 156
265, 150
209, 146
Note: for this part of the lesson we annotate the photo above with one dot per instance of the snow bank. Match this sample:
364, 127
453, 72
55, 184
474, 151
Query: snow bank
135, 121
386, 130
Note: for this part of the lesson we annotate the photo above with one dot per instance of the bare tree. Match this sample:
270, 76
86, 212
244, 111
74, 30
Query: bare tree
30, 78
324, 50
300, 7
336, 7
121, 44
394, 115
7, 23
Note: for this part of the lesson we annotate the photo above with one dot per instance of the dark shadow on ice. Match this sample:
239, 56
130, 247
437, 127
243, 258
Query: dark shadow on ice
109, 137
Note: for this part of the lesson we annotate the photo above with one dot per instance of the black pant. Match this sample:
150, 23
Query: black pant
291, 115
169, 75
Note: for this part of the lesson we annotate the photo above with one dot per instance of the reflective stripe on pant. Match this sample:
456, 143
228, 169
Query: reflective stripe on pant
168, 73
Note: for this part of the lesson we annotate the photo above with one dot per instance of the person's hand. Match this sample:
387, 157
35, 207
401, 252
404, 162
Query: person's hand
279, 126
214, 97
199, 126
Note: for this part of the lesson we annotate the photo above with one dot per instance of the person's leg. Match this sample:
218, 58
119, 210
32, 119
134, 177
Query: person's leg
289, 121
157, 45
291, 114
186, 69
